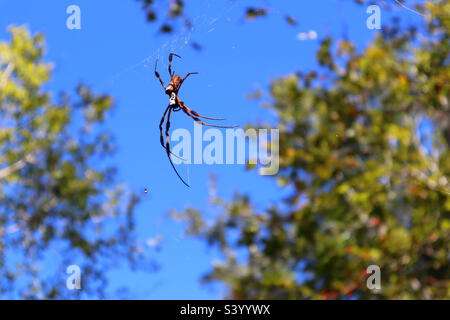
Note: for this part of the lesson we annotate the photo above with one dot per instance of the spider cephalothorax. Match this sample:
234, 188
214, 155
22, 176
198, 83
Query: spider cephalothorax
175, 104
175, 84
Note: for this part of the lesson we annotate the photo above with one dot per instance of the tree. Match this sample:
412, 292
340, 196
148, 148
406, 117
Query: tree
57, 203
369, 187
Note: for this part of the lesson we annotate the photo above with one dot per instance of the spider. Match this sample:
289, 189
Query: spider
175, 104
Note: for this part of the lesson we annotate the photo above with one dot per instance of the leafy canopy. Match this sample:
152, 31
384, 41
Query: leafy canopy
58, 202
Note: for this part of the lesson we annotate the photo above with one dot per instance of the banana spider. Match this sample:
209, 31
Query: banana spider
175, 104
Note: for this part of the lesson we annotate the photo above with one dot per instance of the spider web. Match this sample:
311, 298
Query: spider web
202, 23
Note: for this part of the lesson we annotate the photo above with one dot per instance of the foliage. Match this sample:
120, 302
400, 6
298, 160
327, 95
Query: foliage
366, 185
58, 202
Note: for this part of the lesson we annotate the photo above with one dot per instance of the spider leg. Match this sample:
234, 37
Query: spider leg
194, 112
158, 76
182, 80
189, 75
161, 133
168, 146
197, 115
208, 124
194, 115
170, 63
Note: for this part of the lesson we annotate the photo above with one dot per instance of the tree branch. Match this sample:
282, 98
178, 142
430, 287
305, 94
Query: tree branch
16, 166
6, 74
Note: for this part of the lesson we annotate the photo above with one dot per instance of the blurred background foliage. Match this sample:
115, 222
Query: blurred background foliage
57, 199
367, 185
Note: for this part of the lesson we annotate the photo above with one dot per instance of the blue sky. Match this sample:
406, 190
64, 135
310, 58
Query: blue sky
114, 53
